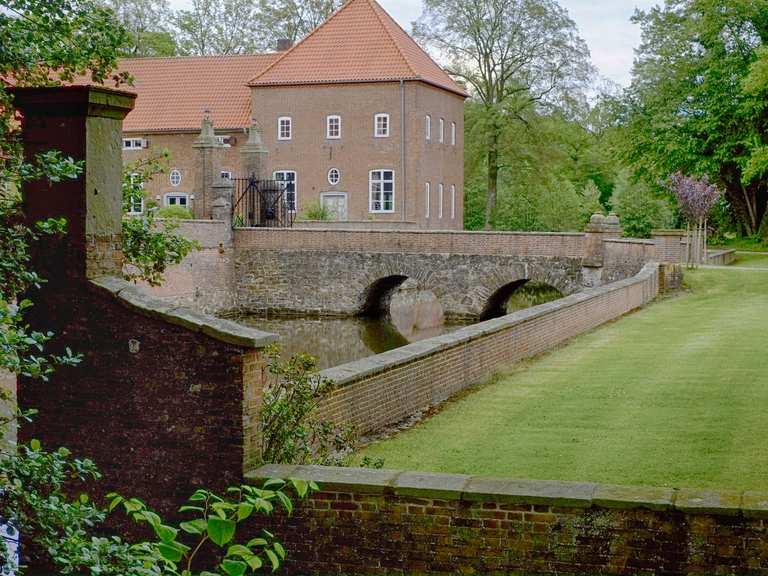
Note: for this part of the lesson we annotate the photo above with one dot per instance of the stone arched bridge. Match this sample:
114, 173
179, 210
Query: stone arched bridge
348, 272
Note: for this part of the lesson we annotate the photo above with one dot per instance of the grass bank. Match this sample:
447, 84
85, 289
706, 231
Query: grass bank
673, 395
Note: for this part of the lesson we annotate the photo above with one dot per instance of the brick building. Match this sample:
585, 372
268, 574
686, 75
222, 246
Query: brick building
355, 117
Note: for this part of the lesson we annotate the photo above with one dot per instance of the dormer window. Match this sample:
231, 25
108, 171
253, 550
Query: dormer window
284, 128
333, 127
381, 125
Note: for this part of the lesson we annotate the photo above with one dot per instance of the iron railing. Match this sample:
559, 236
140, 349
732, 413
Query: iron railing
260, 204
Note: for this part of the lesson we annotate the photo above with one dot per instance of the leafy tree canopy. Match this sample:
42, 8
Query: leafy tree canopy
697, 100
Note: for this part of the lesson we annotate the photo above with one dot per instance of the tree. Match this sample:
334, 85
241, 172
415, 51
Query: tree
640, 208
145, 21
219, 27
292, 19
697, 102
512, 55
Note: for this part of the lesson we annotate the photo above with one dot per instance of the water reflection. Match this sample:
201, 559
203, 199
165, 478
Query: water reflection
336, 341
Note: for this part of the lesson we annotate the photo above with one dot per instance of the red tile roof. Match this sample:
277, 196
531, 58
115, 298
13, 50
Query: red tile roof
360, 42
173, 93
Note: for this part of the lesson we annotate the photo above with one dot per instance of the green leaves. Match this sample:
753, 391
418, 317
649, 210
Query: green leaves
221, 530
149, 247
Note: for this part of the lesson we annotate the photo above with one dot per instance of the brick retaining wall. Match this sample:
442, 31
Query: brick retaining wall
721, 257
392, 522
382, 390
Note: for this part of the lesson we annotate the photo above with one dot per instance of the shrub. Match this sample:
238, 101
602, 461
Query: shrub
291, 432
177, 212
316, 211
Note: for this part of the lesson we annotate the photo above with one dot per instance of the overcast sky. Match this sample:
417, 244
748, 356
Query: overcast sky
604, 24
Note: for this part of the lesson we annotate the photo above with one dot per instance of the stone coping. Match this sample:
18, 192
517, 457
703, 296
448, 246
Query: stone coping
364, 367
668, 232
641, 241
130, 296
407, 231
466, 488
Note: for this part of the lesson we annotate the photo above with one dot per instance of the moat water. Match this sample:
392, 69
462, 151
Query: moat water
335, 341
412, 315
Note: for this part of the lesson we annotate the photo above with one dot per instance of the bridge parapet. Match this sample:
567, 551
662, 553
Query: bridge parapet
542, 244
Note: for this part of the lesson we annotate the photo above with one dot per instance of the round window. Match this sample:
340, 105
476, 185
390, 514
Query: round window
334, 176
175, 177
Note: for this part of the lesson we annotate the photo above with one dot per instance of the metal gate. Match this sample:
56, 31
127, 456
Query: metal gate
260, 204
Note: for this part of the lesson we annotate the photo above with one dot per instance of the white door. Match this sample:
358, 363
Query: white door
336, 205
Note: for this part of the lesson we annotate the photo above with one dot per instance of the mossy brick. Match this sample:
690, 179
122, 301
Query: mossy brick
629, 497
431, 485
754, 504
547, 492
719, 502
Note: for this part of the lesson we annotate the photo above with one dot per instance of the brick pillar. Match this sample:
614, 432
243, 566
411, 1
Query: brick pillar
593, 246
253, 155
612, 226
84, 123
206, 169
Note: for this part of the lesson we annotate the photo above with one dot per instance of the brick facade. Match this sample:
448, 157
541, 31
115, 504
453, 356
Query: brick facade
393, 522
184, 157
311, 155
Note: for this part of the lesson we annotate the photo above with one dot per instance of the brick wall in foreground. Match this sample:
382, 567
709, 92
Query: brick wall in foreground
390, 522
382, 390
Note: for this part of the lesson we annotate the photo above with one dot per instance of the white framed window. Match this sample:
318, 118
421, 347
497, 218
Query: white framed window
381, 188
176, 199
284, 128
428, 127
225, 141
226, 174
453, 201
334, 176
333, 127
175, 177
136, 204
440, 201
441, 133
427, 193
453, 133
290, 196
134, 143
381, 125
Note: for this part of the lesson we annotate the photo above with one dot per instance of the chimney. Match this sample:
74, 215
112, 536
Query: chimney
283, 44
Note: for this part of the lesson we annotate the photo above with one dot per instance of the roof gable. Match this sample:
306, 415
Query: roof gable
360, 42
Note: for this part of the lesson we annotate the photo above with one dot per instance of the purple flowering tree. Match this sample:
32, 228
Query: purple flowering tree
695, 197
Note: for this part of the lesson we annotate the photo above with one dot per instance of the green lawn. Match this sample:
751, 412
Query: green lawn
673, 395
751, 260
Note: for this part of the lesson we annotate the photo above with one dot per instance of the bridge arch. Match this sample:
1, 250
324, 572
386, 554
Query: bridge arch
496, 305
377, 296
537, 292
